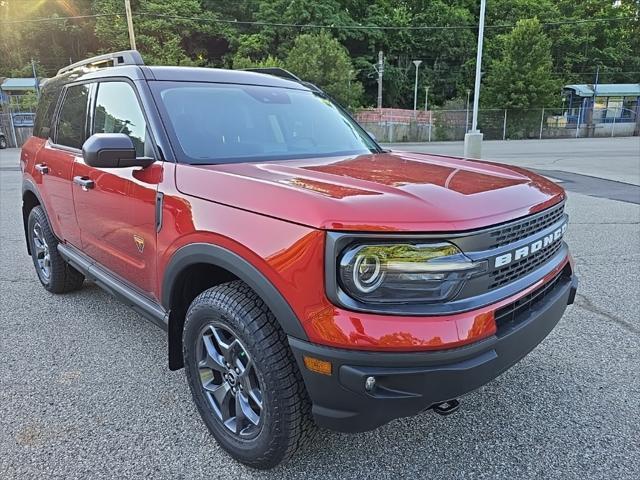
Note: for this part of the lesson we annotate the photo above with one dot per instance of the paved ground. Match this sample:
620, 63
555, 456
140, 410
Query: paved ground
84, 391
611, 158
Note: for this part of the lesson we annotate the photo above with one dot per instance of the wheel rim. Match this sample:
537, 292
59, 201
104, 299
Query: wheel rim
42, 254
229, 381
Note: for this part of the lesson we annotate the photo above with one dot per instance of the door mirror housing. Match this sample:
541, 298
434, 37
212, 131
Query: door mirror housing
112, 150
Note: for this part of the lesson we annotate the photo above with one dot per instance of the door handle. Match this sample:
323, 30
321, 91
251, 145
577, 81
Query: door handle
85, 182
42, 168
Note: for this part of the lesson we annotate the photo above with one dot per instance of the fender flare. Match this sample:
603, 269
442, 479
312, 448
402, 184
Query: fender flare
29, 186
241, 268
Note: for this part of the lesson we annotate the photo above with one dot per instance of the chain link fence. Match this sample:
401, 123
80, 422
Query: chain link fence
16, 122
506, 124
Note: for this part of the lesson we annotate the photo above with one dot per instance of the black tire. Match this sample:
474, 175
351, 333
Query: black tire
285, 421
54, 273
3, 142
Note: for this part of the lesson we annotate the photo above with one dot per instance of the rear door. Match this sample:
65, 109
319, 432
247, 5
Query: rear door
116, 215
54, 162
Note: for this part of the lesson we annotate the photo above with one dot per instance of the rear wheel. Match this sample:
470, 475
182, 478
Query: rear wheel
243, 377
3, 142
54, 273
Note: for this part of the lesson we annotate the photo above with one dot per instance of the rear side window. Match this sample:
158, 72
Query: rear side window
45, 111
70, 130
118, 111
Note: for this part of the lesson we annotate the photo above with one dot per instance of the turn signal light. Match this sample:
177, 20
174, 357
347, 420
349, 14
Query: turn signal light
316, 365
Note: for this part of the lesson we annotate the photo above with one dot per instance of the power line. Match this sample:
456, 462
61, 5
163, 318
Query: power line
60, 18
306, 25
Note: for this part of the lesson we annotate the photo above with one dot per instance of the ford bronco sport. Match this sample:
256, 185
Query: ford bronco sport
303, 274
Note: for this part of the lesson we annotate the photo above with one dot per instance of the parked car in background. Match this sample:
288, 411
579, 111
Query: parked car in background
303, 273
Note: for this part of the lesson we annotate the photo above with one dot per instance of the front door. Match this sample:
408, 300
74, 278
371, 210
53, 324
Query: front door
55, 162
116, 215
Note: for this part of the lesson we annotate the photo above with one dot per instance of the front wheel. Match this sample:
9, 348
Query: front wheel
3, 142
243, 377
54, 273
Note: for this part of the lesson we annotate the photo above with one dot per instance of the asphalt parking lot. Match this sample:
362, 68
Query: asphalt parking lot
85, 391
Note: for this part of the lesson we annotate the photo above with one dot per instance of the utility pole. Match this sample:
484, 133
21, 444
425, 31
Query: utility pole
415, 90
426, 99
473, 139
132, 35
380, 70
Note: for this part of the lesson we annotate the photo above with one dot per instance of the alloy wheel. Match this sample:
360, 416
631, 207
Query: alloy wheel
42, 253
229, 381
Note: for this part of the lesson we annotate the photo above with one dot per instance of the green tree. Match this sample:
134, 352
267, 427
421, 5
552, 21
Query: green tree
168, 32
321, 60
240, 62
521, 77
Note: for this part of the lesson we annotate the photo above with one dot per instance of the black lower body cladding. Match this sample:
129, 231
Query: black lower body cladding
409, 383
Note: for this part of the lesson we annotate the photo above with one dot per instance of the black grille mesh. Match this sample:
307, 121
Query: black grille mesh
510, 313
520, 268
527, 226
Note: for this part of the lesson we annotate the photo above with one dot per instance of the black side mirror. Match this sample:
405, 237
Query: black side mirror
112, 150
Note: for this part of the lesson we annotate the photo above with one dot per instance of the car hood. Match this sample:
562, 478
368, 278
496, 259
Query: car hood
393, 191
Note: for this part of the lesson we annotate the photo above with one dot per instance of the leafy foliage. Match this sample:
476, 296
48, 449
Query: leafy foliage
320, 59
203, 32
520, 77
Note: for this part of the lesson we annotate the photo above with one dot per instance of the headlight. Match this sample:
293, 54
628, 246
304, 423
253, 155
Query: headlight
405, 273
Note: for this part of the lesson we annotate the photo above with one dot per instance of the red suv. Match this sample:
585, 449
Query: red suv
303, 273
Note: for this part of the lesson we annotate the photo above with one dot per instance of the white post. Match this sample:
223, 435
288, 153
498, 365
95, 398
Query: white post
13, 130
578, 121
504, 126
541, 122
426, 99
473, 139
466, 118
613, 125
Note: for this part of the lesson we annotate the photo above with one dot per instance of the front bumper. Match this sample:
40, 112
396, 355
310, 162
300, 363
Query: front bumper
408, 383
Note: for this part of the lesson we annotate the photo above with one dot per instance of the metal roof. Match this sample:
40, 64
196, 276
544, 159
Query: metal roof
607, 89
19, 84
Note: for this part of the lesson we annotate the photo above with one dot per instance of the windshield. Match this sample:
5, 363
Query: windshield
222, 123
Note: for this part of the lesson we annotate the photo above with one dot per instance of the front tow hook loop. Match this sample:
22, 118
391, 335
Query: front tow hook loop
447, 408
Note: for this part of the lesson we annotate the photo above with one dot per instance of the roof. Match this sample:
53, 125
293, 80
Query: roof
19, 84
607, 89
181, 74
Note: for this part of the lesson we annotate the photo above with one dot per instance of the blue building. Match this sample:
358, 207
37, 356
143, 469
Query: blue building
604, 103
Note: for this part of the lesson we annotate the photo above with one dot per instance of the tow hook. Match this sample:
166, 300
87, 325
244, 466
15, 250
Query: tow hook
447, 408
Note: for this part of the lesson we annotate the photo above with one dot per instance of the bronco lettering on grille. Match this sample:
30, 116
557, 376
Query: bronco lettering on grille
522, 252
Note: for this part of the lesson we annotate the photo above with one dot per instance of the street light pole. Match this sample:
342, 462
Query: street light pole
415, 91
473, 139
132, 35
426, 99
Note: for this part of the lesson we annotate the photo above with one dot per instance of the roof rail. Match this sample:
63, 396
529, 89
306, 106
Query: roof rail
286, 74
275, 71
126, 57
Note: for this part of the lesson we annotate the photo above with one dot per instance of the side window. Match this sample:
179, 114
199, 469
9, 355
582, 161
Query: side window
118, 111
70, 130
44, 114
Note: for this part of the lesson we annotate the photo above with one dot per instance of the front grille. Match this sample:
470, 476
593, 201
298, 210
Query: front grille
518, 269
513, 311
527, 226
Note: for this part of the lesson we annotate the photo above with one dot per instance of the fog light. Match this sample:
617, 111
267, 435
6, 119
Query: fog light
370, 383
